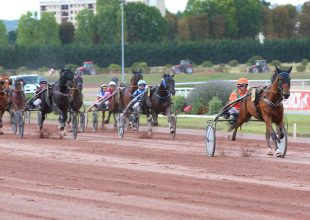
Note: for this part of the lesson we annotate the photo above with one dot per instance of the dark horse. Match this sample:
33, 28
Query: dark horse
161, 100
120, 101
18, 98
268, 107
57, 98
76, 95
4, 98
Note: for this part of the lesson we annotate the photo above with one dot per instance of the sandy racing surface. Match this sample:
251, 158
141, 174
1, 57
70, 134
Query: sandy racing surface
99, 176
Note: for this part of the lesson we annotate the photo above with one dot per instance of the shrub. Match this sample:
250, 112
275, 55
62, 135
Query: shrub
22, 69
72, 66
43, 69
207, 64
215, 105
300, 68
200, 97
114, 67
252, 60
179, 103
304, 62
1, 69
275, 63
233, 63
139, 65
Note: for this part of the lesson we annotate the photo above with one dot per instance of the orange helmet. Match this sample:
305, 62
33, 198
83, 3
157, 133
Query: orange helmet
243, 81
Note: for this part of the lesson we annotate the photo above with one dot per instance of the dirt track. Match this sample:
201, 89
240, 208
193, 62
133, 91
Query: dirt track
99, 176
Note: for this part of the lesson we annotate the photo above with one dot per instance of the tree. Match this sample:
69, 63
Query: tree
199, 27
218, 26
267, 22
183, 29
284, 19
27, 31
144, 23
48, 30
12, 36
85, 27
304, 29
66, 33
3, 37
108, 22
172, 25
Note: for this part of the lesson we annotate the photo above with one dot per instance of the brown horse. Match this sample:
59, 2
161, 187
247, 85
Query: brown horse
4, 98
267, 108
18, 98
124, 95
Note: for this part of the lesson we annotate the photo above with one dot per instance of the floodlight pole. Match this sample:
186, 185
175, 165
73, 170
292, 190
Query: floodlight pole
123, 48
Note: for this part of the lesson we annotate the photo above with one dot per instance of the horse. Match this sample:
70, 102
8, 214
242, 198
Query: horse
268, 107
4, 98
161, 100
18, 98
57, 98
120, 101
76, 96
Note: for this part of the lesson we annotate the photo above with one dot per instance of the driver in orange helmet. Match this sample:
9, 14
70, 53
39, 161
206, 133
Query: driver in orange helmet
242, 89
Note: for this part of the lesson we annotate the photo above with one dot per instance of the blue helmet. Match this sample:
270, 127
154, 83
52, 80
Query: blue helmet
141, 82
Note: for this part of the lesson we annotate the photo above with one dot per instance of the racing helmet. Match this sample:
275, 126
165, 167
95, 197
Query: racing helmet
141, 82
112, 83
104, 85
242, 81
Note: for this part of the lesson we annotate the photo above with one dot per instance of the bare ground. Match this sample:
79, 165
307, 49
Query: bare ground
99, 176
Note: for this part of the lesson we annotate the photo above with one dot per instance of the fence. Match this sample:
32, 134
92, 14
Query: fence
183, 89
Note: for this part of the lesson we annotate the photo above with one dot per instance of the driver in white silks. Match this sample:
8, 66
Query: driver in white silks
137, 95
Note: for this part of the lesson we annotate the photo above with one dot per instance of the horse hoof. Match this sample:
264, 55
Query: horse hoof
278, 153
270, 152
106, 122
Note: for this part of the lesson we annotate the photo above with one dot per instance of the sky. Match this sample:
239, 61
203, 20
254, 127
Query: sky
13, 9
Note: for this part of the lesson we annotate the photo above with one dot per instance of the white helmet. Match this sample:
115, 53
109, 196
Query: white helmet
141, 82
112, 83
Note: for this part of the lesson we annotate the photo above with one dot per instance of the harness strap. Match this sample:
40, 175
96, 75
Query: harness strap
277, 104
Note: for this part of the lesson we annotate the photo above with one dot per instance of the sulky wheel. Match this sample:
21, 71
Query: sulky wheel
95, 121
74, 118
120, 125
282, 145
210, 140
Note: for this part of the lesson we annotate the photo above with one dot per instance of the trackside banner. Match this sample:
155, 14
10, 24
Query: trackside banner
298, 100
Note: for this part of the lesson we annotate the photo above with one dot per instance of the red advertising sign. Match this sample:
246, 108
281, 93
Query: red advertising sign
298, 100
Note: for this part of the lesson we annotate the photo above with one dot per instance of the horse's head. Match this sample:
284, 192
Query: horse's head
5, 82
19, 85
168, 83
137, 76
66, 77
284, 81
78, 82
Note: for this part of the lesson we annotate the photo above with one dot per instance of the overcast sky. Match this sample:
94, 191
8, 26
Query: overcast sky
13, 9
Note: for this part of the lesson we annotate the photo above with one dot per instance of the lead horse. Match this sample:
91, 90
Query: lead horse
57, 98
267, 108
161, 100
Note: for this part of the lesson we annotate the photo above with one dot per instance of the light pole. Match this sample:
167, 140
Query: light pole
123, 48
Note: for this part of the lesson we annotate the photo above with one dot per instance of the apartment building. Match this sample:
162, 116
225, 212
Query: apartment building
66, 10
160, 4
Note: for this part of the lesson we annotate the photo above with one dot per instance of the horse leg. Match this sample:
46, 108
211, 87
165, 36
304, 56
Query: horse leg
115, 122
107, 121
1, 114
61, 120
102, 121
269, 133
171, 121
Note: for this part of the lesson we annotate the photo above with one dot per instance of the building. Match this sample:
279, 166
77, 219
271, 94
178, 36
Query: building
66, 10
160, 4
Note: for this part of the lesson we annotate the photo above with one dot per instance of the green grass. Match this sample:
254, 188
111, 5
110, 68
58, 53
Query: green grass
303, 124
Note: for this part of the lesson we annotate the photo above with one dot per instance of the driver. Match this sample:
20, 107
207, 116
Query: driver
137, 95
241, 90
42, 86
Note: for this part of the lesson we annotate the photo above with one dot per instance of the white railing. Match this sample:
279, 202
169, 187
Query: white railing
300, 84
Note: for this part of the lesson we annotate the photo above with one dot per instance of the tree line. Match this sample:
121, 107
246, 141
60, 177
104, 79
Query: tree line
202, 21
